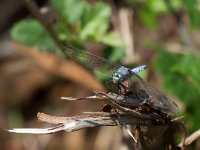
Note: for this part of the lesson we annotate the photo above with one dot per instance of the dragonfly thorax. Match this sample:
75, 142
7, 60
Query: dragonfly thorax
121, 75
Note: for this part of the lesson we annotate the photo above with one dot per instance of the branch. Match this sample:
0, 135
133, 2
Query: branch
71, 124
190, 139
120, 102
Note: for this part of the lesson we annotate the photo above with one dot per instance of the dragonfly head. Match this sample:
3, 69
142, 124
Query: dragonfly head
117, 77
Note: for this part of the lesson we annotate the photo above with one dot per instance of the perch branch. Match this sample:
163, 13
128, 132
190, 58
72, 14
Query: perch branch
116, 101
190, 139
75, 123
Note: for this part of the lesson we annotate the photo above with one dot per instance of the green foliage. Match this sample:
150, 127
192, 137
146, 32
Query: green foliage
114, 54
70, 10
151, 9
31, 32
193, 11
84, 22
148, 17
97, 22
181, 77
79, 22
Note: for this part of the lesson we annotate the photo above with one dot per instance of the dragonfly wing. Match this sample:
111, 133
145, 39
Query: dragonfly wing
137, 90
91, 61
112, 87
156, 99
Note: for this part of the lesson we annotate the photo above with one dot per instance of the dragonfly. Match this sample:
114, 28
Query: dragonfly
123, 79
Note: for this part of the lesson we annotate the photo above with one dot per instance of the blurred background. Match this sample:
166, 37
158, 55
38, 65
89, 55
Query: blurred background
163, 34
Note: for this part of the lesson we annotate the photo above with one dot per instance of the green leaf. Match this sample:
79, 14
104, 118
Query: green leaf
71, 10
86, 23
158, 6
180, 75
31, 33
148, 17
193, 11
112, 39
97, 26
152, 9
116, 54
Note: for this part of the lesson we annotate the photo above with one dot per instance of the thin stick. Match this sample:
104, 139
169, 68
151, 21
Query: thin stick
190, 139
71, 124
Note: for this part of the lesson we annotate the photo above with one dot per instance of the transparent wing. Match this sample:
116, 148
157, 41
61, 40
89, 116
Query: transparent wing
112, 87
91, 61
156, 99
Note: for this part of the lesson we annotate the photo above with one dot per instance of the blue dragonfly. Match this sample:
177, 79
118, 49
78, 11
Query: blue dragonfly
123, 80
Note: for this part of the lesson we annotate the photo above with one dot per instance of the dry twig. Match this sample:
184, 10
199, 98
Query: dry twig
71, 124
194, 136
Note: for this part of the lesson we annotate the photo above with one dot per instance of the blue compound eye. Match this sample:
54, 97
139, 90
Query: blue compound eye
119, 76
115, 74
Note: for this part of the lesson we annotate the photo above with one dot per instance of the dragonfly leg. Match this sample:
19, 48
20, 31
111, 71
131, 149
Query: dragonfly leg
123, 89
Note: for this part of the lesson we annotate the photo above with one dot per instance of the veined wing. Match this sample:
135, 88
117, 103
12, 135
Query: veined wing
156, 99
90, 60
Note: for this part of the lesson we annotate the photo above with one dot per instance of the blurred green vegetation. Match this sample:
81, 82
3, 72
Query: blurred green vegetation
31, 32
80, 22
180, 74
